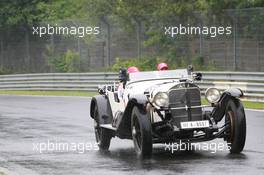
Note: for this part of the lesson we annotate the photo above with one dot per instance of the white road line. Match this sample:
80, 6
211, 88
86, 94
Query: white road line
46, 96
54, 96
255, 110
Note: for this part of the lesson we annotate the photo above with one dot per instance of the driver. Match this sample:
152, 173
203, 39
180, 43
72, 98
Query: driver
123, 75
162, 67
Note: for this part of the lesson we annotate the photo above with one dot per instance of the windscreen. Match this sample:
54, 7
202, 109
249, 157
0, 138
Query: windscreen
157, 75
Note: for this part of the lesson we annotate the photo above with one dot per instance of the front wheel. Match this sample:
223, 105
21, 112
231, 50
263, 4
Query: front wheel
235, 120
141, 132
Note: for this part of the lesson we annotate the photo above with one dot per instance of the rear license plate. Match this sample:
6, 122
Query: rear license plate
195, 124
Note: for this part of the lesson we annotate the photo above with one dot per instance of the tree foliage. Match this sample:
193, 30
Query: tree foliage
67, 62
20, 12
17, 12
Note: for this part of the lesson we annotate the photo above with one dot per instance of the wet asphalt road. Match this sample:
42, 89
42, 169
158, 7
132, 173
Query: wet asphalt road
26, 122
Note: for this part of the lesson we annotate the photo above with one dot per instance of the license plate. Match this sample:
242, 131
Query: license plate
195, 124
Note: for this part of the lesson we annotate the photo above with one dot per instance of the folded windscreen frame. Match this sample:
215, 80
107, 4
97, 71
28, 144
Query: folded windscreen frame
158, 75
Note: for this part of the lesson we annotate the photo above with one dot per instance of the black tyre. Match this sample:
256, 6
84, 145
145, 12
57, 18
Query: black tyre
102, 135
141, 132
236, 121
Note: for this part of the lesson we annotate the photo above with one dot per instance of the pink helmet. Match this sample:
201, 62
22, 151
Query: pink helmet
162, 66
132, 69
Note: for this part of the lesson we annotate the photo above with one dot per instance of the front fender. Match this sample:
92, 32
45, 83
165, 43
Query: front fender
139, 99
220, 107
124, 128
235, 92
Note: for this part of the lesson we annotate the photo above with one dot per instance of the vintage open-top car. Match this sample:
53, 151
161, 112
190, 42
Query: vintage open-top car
165, 107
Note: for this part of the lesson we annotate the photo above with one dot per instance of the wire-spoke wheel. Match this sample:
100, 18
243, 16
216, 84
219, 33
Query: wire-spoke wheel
236, 126
141, 132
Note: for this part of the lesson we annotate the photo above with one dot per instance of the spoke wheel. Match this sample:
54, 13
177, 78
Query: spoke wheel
235, 121
136, 133
230, 126
141, 133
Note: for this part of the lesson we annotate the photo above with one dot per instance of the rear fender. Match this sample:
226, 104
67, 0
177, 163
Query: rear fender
104, 109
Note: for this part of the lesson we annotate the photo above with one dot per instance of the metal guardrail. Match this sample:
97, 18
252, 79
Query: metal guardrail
252, 83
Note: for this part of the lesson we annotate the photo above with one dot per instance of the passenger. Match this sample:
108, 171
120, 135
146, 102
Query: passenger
132, 69
162, 67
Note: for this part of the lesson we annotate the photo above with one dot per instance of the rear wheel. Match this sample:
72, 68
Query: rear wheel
102, 135
141, 132
236, 121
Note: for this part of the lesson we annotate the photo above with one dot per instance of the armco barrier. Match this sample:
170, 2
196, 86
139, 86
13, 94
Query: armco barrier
252, 83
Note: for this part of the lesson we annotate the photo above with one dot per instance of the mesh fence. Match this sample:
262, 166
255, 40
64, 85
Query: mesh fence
241, 50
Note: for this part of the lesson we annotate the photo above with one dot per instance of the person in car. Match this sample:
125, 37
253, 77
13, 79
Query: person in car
123, 78
132, 69
162, 67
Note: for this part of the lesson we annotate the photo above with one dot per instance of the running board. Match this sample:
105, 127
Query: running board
108, 126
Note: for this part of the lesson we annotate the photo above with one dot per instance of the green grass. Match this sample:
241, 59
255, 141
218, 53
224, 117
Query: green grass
51, 93
253, 105
247, 104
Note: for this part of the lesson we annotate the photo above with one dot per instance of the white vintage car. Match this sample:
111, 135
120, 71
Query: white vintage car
165, 107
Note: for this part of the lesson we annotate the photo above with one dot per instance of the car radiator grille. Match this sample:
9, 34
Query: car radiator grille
185, 104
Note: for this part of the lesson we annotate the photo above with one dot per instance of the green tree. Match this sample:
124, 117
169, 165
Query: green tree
20, 12
67, 62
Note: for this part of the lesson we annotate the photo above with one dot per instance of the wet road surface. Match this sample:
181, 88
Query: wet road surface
54, 135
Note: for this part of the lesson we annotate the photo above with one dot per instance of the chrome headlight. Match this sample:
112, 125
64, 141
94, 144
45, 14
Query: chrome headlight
212, 95
161, 99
